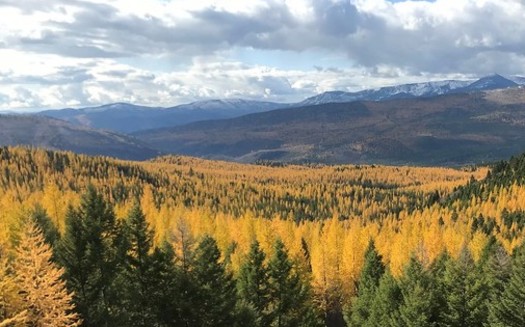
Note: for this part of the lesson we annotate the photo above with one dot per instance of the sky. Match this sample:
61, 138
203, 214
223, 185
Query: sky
76, 53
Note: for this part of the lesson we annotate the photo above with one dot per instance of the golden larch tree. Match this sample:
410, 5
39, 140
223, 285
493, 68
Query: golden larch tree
40, 283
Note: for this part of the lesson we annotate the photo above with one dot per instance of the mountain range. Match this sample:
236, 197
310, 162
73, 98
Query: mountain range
128, 118
446, 123
415, 90
453, 129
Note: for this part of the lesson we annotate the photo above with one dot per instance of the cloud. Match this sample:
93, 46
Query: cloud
159, 52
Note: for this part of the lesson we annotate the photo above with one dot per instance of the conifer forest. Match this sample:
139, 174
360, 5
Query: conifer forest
92, 241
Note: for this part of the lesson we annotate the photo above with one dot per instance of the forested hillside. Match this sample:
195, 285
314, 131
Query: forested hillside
180, 241
448, 130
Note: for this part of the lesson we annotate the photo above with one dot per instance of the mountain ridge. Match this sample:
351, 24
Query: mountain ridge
127, 118
453, 129
414, 90
55, 134
130, 118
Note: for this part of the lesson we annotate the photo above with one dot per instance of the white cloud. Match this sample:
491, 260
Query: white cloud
58, 53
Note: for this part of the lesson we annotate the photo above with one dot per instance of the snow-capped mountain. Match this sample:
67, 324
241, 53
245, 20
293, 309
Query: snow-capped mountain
520, 80
230, 104
426, 89
128, 118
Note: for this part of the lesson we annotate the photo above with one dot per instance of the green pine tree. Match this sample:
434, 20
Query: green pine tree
418, 305
466, 293
253, 285
509, 309
386, 302
496, 267
358, 312
89, 253
148, 278
42, 221
217, 296
290, 298
437, 272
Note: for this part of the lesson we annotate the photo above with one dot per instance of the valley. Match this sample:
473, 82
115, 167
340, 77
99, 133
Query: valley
325, 216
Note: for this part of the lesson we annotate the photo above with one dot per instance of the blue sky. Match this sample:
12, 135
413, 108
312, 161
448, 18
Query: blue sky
74, 53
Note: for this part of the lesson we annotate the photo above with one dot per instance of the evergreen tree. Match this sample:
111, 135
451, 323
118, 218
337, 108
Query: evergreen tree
466, 293
135, 283
417, 307
437, 273
386, 302
43, 222
40, 283
172, 293
496, 268
137, 276
290, 299
89, 253
358, 313
149, 280
509, 310
217, 298
253, 284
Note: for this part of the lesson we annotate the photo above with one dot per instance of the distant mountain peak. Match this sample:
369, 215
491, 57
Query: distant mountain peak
415, 90
412, 90
491, 82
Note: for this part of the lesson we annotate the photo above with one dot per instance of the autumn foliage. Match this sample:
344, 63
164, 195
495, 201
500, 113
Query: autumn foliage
325, 216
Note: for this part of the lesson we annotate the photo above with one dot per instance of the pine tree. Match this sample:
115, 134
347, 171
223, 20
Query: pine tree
509, 310
466, 293
290, 299
44, 223
134, 278
217, 298
148, 279
437, 273
417, 307
253, 284
172, 293
386, 302
89, 252
44, 293
358, 312
496, 268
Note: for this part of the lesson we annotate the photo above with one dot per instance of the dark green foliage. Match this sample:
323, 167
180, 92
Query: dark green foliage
253, 285
358, 313
509, 309
466, 293
418, 305
89, 252
496, 268
437, 274
502, 174
149, 280
43, 222
386, 302
135, 276
290, 299
217, 298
